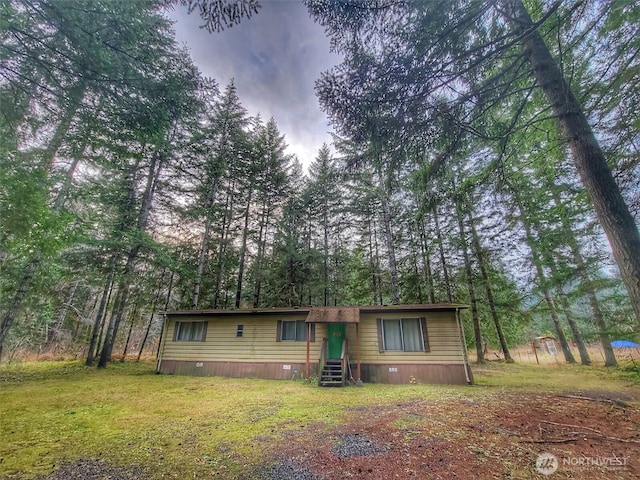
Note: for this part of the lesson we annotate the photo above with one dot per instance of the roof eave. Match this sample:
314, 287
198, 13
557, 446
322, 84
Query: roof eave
305, 310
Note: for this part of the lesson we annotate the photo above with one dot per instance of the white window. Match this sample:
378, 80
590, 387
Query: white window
190, 331
403, 335
294, 331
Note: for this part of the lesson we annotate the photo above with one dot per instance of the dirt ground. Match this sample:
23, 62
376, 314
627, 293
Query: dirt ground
588, 434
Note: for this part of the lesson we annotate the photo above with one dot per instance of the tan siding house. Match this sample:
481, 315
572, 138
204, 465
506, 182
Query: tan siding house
384, 344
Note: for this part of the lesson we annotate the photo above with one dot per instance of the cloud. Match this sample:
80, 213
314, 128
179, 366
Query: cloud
274, 59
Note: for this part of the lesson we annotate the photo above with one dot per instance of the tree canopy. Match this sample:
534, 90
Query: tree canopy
484, 153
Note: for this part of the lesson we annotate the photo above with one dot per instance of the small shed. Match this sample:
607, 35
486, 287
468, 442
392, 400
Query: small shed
546, 345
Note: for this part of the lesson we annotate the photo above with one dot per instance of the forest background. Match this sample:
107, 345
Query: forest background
130, 184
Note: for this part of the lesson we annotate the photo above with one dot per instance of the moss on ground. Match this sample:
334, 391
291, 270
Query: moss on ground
189, 427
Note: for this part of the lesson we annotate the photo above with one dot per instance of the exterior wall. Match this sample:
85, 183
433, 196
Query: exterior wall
444, 363
256, 354
414, 373
271, 370
442, 329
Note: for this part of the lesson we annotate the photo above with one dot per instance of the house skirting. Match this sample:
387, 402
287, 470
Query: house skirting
268, 370
454, 373
371, 373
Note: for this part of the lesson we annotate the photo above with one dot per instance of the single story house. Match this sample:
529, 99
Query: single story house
378, 344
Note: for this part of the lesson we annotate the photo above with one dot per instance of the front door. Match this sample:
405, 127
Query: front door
336, 333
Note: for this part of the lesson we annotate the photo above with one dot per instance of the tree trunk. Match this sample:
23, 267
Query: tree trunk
427, 264
12, 311
54, 333
611, 209
542, 279
416, 270
63, 193
547, 295
472, 291
103, 324
227, 219
376, 267
83, 330
603, 332
587, 285
577, 336
391, 251
166, 307
325, 260
115, 318
75, 94
374, 282
243, 249
487, 285
568, 356
126, 343
155, 168
77, 155
551, 264
443, 260
204, 246
153, 312
104, 301
262, 239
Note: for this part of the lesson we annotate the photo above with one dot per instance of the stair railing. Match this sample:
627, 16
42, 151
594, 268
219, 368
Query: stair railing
344, 360
323, 359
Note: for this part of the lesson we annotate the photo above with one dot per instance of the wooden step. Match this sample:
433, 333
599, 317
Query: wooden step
331, 375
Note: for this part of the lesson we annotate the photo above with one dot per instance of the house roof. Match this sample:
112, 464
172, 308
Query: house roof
334, 315
420, 307
329, 312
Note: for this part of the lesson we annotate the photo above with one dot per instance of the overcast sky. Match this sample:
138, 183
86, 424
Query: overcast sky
274, 59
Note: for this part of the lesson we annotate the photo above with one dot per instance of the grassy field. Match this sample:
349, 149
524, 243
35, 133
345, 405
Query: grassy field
187, 427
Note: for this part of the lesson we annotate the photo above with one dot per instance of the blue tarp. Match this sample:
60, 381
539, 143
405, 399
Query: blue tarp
624, 344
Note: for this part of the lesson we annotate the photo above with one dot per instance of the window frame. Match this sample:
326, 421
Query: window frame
280, 331
422, 322
177, 331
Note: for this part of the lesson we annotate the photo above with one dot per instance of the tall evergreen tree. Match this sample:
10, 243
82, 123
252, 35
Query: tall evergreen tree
326, 201
223, 143
272, 182
406, 57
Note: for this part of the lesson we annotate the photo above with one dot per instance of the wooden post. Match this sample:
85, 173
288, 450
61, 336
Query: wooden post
358, 378
308, 346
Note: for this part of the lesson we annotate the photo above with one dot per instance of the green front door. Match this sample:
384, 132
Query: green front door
336, 333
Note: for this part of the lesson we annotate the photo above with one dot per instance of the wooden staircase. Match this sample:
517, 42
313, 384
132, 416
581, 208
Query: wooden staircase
332, 374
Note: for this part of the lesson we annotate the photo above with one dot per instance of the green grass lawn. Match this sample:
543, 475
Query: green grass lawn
183, 427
